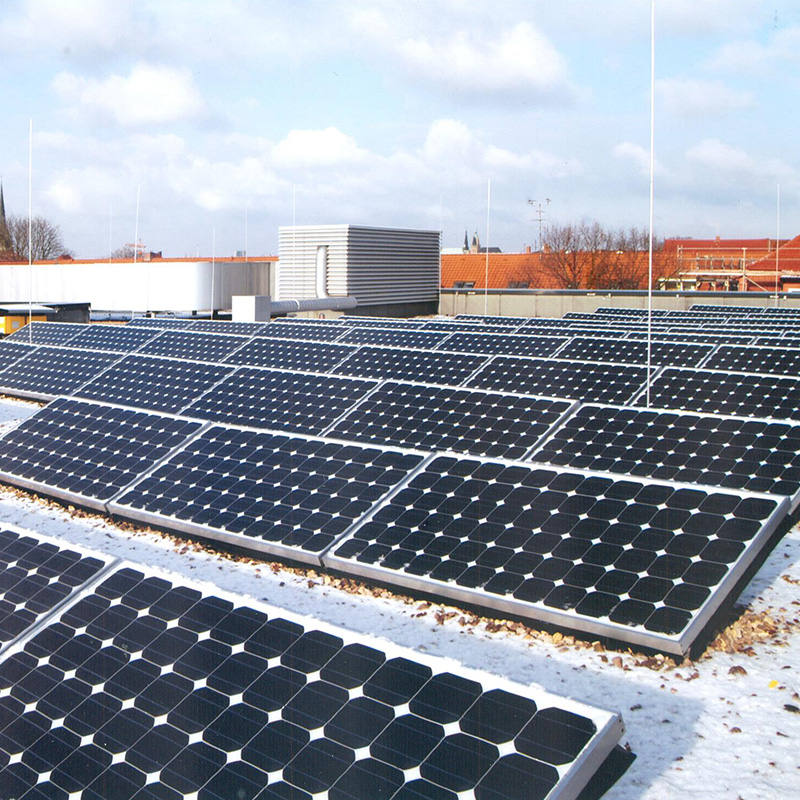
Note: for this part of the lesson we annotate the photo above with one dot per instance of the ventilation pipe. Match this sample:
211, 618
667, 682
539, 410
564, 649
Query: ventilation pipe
322, 270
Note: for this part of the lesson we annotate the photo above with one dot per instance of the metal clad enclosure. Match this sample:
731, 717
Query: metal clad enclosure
375, 265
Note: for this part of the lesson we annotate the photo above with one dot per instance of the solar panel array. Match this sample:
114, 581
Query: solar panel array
150, 688
254, 395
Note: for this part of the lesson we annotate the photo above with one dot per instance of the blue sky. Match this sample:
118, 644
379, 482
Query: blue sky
232, 117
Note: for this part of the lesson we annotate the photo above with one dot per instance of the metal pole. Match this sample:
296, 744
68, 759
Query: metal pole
652, 181
30, 232
213, 265
778, 248
136, 237
486, 271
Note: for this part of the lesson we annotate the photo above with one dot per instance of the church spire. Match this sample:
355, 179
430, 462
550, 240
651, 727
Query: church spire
5, 235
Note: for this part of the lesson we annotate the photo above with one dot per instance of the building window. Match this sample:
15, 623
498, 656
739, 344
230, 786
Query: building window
464, 285
519, 284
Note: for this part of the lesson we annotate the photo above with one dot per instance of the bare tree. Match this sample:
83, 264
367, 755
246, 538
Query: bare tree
561, 255
45, 238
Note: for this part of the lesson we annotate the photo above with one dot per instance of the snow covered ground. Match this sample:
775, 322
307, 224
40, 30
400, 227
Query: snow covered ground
724, 726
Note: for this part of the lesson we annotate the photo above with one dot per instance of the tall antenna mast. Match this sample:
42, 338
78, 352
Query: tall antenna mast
486, 276
652, 182
30, 232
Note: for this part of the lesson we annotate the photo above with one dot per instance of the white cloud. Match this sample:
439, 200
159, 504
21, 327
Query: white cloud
749, 57
639, 157
79, 27
517, 60
149, 95
687, 97
317, 148
716, 155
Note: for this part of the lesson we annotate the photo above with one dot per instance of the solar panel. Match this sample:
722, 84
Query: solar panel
461, 327
505, 344
282, 400
37, 574
314, 333
694, 337
46, 333
308, 356
213, 347
10, 352
743, 358
383, 322
711, 308
226, 326
587, 381
161, 322
85, 452
393, 337
286, 495
492, 320
47, 372
644, 562
421, 365
150, 688
733, 393
679, 354
432, 418
114, 338
731, 452
154, 383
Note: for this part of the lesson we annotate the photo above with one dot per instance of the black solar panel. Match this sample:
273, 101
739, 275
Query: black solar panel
462, 327
46, 333
383, 322
156, 689
393, 337
212, 347
492, 320
420, 365
286, 495
162, 322
584, 381
38, 573
769, 360
675, 335
86, 452
298, 330
752, 455
441, 418
627, 351
712, 308
282, 400
505, 344
47, 372
114, 338
646, 563
10, 352
226, 326
307, 356
154, 383
732, 393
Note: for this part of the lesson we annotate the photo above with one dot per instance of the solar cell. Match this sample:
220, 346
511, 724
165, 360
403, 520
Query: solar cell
394, 337
586, 381
383, 322
113, 338
314, 333
763, 360
677, 335
86, 452
37, 574
461, 327
46, 333
731, 452
154, 383
11, 352
644, 562
226, 326
734, 393
286, 495
282, 400
421, 365
505, 344
212, 347
308, 356
627, 351
433, 418
151, 688
493, 320
161, 322
47, 372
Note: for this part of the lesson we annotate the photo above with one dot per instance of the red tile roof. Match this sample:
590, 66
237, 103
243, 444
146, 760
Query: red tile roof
504, 268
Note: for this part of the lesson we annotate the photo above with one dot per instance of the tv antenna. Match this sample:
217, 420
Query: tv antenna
539, 210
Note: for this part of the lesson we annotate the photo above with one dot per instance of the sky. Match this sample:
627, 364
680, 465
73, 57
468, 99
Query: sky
222, 120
